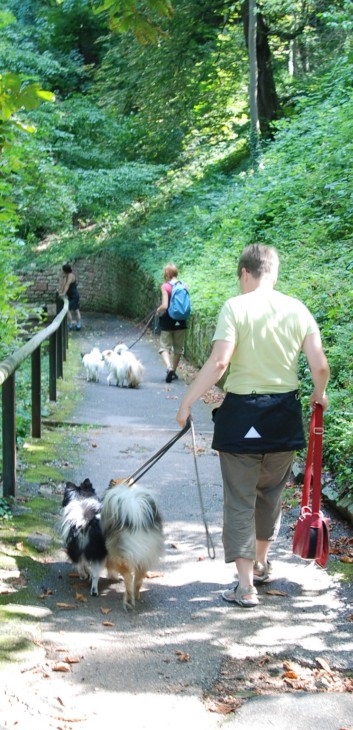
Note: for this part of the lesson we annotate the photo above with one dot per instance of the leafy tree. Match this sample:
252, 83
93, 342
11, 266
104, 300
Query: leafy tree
139, 18
16, 93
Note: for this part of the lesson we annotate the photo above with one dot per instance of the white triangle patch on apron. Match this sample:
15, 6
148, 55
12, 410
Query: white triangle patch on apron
252, 434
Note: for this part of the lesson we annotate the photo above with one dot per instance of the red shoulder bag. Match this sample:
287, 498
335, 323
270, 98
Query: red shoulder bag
312, 533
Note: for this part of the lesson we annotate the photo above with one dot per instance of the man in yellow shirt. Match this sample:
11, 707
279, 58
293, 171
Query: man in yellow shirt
258, 428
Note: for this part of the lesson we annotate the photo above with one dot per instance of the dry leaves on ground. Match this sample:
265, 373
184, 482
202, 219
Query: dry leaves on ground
182, 656
342, 547
240, 679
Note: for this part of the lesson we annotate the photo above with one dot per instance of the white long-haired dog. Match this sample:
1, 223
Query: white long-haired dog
135, 367
133, 533
81, 532
123, 533
117, 368
93, 364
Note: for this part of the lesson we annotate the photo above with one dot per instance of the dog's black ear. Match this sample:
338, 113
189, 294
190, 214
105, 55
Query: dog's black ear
86, 487
71, 489
86, 484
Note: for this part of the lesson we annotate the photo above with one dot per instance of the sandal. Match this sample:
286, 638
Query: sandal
264, 572
244, 597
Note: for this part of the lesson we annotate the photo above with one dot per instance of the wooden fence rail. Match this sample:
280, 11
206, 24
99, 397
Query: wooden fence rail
56, 333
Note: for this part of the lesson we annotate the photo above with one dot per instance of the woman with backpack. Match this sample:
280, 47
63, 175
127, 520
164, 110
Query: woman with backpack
173, 313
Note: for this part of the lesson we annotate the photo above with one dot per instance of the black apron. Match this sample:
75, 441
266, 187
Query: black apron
259, 424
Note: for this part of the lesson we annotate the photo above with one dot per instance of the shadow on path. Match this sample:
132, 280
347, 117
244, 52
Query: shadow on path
156, 662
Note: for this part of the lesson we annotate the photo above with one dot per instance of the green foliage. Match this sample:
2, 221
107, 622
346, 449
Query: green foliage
5, 510
130, 16
151, 143
188, 90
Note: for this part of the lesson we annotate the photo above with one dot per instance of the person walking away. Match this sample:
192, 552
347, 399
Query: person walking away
257, 429
71, 291
173, 331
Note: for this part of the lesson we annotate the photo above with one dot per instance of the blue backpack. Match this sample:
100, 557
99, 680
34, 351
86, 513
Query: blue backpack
179, 305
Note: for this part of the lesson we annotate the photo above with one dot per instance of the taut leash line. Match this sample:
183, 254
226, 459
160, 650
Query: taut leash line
133, 478
210, 545
149, 320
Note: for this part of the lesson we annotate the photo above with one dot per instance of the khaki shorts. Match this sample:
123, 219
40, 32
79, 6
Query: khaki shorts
172, 340
252, 485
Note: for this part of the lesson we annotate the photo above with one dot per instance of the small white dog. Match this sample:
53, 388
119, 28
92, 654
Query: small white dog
135, 368
93, 364
117, 369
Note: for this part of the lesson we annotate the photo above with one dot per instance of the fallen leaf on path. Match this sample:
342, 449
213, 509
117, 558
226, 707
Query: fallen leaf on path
61, 667
182, 656
80, 597
72, 659
275, 592
107, 623
66, 606
288, 666
262, 661
323, 664
290, 675
105, 610
225, 706
73, 574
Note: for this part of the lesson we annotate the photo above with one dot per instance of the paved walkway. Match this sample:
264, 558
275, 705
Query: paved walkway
153, 666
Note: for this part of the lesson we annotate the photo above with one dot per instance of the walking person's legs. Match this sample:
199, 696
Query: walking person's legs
275, 472
253, 485
240, 474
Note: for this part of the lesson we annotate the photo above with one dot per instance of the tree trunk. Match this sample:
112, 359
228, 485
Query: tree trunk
267, 100
254, 116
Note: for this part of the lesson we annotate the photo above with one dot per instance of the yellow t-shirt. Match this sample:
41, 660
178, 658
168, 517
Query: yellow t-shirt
268, 330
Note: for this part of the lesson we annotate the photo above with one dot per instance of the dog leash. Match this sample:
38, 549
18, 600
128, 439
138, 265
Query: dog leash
210, 545
133, 478
150, 317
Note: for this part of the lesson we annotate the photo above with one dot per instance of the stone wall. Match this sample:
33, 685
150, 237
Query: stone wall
106, 282
110, 283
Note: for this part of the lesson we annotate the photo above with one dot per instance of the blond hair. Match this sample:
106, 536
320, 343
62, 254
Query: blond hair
170, 271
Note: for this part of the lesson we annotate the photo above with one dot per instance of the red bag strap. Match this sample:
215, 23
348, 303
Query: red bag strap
314, 461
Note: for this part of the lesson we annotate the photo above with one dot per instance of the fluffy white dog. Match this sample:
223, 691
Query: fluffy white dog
117, 369
135, 368
93, 364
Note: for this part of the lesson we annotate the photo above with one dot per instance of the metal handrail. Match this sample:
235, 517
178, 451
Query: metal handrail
56, 333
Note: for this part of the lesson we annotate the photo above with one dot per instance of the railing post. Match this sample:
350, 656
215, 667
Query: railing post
36, 393
59, 354
9, 437
52, 367
61, 342
64, 338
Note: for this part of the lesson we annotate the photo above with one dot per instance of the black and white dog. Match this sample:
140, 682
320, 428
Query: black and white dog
81, 531
124, 533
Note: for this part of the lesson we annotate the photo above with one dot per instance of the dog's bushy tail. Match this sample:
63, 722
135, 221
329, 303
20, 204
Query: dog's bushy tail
131, 508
